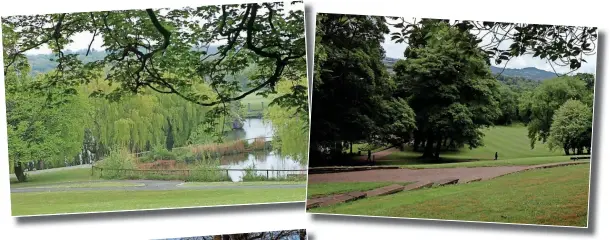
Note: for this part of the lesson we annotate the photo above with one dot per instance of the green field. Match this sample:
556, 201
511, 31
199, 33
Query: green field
36, 203
324, 189
511, 143
257, 102
92, 185
193, 184
62, 176
94, 201
553, 196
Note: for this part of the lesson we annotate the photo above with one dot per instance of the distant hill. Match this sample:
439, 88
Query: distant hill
527, 73
42, 63
531, 73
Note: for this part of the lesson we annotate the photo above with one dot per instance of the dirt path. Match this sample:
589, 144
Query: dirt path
145, 185
379, 154
419, 175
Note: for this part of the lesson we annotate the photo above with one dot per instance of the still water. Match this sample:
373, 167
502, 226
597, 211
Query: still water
260, 160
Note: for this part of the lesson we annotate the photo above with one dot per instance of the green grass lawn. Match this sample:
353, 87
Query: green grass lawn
453, 163
511, 143
94, 201
257, 102
553, 196
92, 185
61, 176
323, 189
261, 183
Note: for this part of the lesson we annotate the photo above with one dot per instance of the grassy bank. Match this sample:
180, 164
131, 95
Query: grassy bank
554, 196
94, 201
510, 142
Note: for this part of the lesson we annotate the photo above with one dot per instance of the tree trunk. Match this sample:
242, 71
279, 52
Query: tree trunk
579, 151
429, 149
416, 142
566, 150
437, 151
351, 145
19, 172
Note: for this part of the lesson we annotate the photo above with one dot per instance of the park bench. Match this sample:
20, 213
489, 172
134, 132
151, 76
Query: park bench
579, 158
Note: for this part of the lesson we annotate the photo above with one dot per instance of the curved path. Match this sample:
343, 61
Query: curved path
424, 175
144, 185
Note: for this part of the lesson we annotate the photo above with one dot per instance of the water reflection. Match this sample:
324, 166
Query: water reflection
262, 160
252, 128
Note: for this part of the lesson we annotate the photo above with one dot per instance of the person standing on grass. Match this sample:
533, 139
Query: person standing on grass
496, 158
369, 157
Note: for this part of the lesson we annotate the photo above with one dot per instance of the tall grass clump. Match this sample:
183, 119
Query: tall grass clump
207, 171
233, 147
158, 153
114, 164
250, 174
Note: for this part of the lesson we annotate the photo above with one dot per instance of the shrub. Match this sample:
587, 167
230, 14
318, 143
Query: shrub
207, 171
117, 159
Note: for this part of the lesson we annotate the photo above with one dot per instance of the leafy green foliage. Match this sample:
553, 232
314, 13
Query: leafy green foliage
291, 124
572, 127
561, 45
350, 81
546, 99
449, 87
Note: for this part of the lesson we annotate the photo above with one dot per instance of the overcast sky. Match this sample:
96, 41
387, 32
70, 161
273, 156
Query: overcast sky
82, 40
395, 50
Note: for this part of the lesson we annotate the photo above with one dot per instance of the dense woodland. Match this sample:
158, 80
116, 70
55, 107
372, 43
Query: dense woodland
166, 78
444, 93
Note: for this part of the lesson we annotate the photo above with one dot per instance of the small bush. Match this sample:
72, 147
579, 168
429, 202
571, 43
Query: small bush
116, 160
207, 171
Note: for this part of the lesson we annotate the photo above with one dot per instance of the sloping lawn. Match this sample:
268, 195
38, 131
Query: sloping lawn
553, 196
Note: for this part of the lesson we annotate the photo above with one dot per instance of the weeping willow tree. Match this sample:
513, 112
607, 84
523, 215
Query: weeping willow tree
140, 121
290, 122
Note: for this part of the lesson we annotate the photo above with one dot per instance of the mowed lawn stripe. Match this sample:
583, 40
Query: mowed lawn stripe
554, 196
93, 201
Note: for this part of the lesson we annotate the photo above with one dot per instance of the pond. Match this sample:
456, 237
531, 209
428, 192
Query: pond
260, 161
252, 128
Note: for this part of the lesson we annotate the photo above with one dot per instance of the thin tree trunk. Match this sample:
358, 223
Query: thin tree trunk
437, 151
429, 149
416, 142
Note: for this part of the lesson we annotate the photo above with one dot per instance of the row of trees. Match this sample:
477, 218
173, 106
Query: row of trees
443, 93
82, 128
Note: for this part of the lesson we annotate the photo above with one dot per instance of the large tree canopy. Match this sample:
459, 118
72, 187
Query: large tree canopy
547, 98
349, 79
449, 86
560, 45
166, 49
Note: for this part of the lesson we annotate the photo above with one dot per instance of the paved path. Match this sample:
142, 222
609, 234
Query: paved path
423, 175
145, 185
